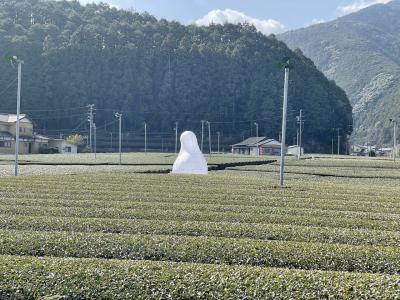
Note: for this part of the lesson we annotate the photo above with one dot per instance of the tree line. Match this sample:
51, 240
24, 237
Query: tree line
159, 72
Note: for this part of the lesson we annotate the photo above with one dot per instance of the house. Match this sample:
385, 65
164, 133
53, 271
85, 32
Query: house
7, 134
248, 146
30, 143
257, 146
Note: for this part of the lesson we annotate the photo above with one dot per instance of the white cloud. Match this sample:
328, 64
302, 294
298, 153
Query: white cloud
235, 17
358, 5
317, 21
84, 2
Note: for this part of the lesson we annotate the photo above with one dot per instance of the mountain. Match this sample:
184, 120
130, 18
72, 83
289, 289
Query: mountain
157, 72
361, 53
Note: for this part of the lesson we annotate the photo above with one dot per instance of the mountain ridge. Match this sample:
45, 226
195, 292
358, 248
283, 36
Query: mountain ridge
361, 53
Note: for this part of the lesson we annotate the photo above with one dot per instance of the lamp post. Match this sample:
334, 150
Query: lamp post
176, 137
119, 117
95, 139
145, 137
209, 134
394, 138
13, 60
202, 135
285, 64
218, 137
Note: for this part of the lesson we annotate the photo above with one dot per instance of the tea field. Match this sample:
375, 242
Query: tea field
234, 234
87, 163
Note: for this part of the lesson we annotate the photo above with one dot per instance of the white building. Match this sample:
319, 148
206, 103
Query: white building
63, 146
294, 150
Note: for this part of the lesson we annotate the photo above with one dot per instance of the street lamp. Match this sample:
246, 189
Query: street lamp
209, 134
119, 117
13, 60
394, 138
286, 65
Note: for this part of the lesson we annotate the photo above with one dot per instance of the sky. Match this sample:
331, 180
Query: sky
269, 16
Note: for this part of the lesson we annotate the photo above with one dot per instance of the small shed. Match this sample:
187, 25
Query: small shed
295, 150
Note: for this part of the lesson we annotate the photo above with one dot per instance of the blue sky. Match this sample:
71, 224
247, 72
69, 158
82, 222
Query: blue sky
269, 16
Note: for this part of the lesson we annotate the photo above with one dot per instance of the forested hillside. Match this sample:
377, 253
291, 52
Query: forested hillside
158, 72
361, 53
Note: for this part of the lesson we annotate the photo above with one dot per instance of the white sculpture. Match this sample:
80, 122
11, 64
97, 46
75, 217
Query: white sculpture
190, 159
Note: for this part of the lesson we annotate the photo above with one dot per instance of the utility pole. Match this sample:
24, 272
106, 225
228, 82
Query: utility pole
202, 135
95, 139
209, 135
338, 140
394, 139
90, 119
119, 117
13, 60
176, 137
218, 136
145, 137
256, 124
333, 133
111, 141
300, 122
286, 65
301, 131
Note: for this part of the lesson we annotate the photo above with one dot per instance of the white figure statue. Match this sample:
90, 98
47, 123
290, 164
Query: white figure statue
190, 159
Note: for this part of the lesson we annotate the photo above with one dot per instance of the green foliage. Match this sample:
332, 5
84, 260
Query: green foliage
79, 279
206, 250
75, 139
159, 72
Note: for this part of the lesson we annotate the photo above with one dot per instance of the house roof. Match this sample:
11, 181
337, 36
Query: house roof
257, 142
41, 137
12, 118
250, 142
270, 142
61, 141
5, 134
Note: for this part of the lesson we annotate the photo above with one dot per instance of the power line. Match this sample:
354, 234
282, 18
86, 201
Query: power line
52, 110
8, 86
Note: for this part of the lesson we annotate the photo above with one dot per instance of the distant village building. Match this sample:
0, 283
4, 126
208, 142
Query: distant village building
363, 150
30, 143
257, 146
63, 146
295, 150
